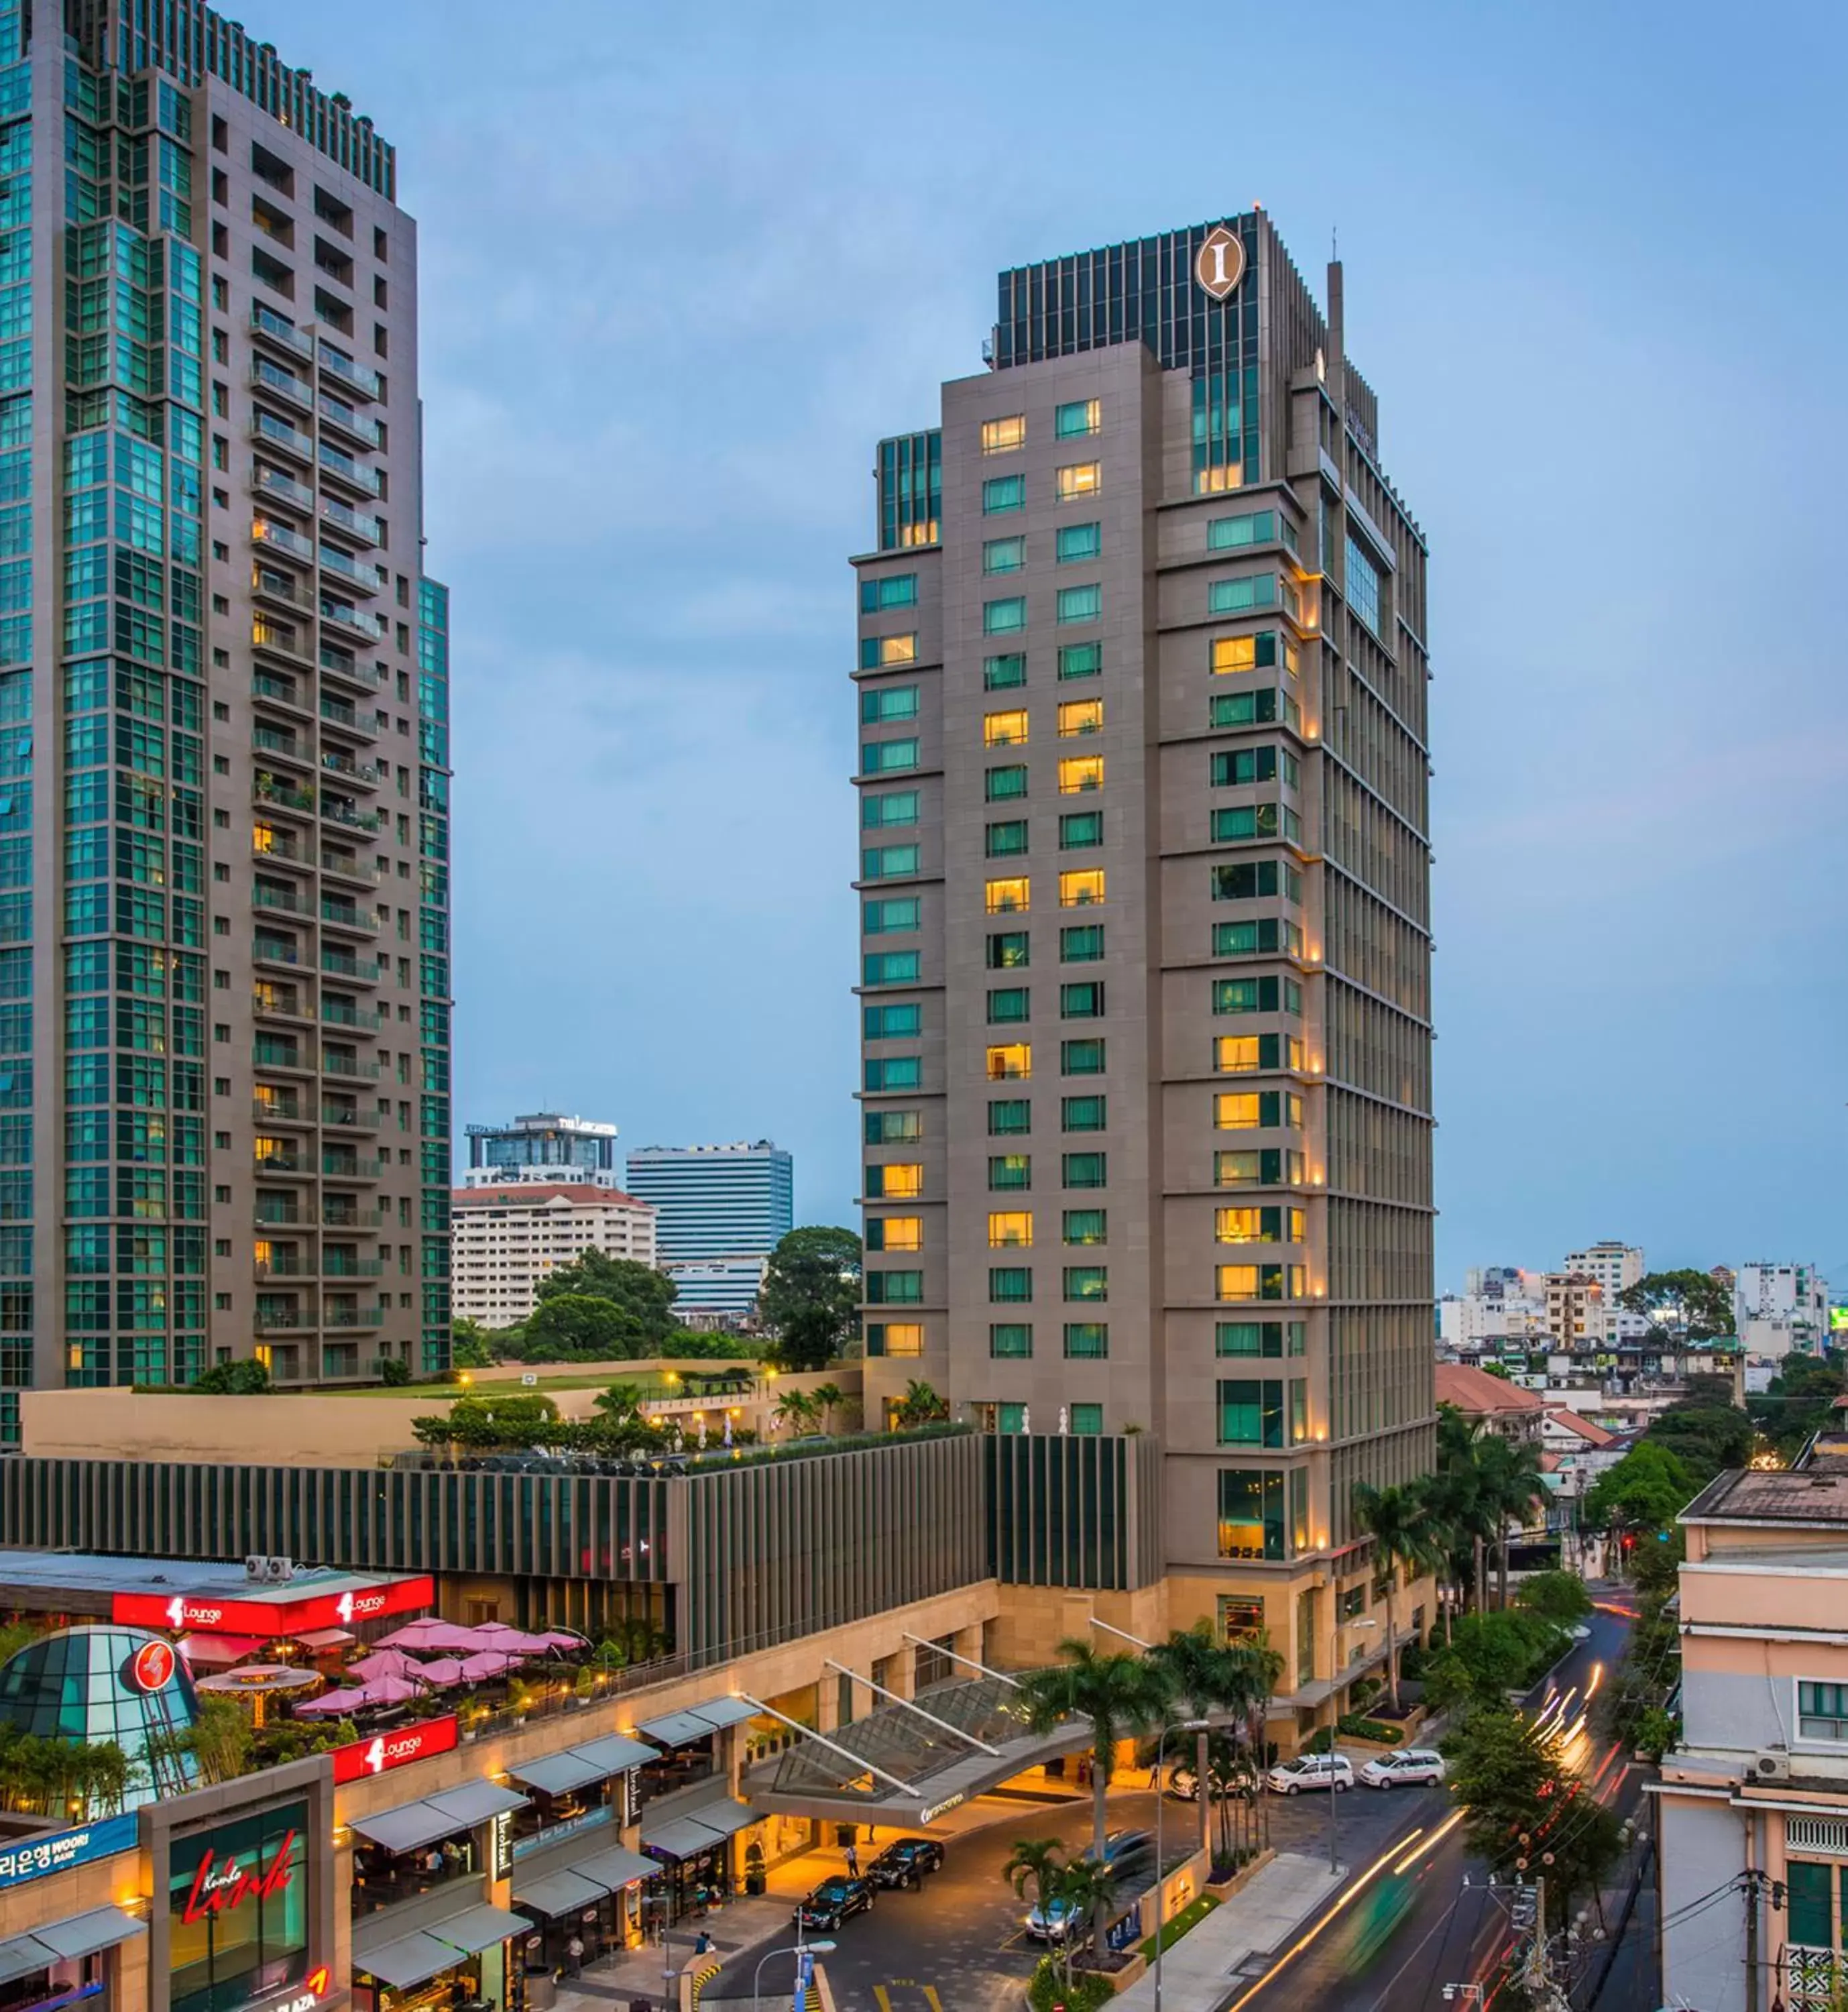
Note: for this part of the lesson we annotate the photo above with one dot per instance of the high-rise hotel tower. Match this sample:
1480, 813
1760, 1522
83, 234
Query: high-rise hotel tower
1145, 904
224, 979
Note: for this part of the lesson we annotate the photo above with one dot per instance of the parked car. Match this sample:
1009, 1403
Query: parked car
1181, 1784
1580, 1633
834, 1901
1412, 1768
1310, 1771
906, 1860
1125, 1852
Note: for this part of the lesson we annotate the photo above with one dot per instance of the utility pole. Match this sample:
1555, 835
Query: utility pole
1752, 1879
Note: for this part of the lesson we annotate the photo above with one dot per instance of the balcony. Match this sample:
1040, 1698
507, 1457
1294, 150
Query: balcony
344, 1213
284, 901
270, 743
350, 1167
356, 873
280, 488
268, 536
281, 639
354, 1317
284, 1215
289, 1166
267, 844
338, 1013
284, 1320
358, 970
350, 621
280, 437
338, 1117
267, 791
272, 950
267, 689
284, 1111
281, 1058
348, 718
344, 915
343, 663
362, 382
333, 1266
337, 761
288, 1267
344, 468
341, 809
354, 523
361, 580
337, 413
275, 382
267, 584
270, 327
348, 1065
279, 1002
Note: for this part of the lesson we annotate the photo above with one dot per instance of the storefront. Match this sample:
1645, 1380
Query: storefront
597, 1897
468, 1961
570, 1874
693, 1852
67, 1963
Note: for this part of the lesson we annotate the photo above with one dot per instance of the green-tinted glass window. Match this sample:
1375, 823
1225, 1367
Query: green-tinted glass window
888, 862
1081, 1057
1248, 708
894, 1128
1251, 1412
1001, 673
1085, 1170
1000, 785
1010, 1284
1260, 1338
1004, 555
1086, 1226
1001, 618
1080, 604
890, 967
1009, 1171
1083, 944
890, 807
885, 757
1078, 541
1081, 660
1007, 951
1087, 1281
1080, 828
1081, 1002
1007, 1004
1087, 1340
1254, 527
1082, 1114
1010, 1418
1234, 596
893, 1023
1010, 1339
897, 589
1080, 417
894, 913
888, 702
1010, 1113
1004, 492
1087, 1421
1005, 841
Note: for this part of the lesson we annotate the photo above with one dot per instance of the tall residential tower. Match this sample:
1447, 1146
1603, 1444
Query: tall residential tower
224, 1050
1145, 958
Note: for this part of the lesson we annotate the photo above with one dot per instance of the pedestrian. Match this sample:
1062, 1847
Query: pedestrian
853, 1861
702, 1944
574, 1956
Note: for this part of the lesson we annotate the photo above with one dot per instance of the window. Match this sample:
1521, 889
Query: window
1001, 618
894, 1288
895, 1232
1013, 1061
1003, 841
876, 652
1081, 660
1244, 653
1087, 1421
1010, 1340
1251, 1523
1079, 478
1238, 597
1010, 1284
888, 702
1086, 1341
1270, 1168
887, 758
888, 862
1083, 889
1001, 673
1270, 1339
1080, 772
1087, 1281
889, 806
1255, 527
897, 589
1256, 939
891, 1072
1011, 1229
1262, 707
1082, 1114
1007, 897
1080, 604
1259, 1281
890, 967
1081, 828
1083, 944
894, 913
1009, 1115
1078, 541
1007, 951
1822, 1711
1004, 555
893, 1338
1003, 492
1086, 1226
1081, 715
896, 1181
1258, 1225
1254, 765
1255, 820
1239, 1053
894, 1128
1082, 1001
1256, 995
1363, 586
1003, 784
1081, 1057
1251, 1412
1009, 1170
1256, 1111
1084, 1170
1252, 879
1003, 436
1004, 729
1009, 1003
1082, 415
1811, 1921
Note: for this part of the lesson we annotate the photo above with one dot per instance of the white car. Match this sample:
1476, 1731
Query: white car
1581, 1633
1412, 1768
1310, 1771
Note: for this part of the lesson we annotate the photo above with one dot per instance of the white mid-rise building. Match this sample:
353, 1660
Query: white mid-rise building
1469, 1320
1614, 1268
1781, 1310
505, 1240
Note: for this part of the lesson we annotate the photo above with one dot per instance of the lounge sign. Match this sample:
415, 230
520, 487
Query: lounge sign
367, 1757
210, 1614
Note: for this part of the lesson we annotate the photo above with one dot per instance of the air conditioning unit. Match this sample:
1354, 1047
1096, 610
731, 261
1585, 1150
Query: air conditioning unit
278, 1571
1771, 1767
254, 1564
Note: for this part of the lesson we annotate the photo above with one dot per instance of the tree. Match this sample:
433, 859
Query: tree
248, 1378
1206, 1676
829, 1399
1120, 1696
1087, 1886
1508, 1473
1490, 1655
797, 1409
810, 1299
1643, 1494
1691, 1306
1036, 1862
1559, 1596
1705, 1438
920, 1405
644, 1296
581, 1327
469, 1347
1800, 1402
1394, 1518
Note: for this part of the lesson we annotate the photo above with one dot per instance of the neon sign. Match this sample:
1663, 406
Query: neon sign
266, 1619
218, 1887
365, 1758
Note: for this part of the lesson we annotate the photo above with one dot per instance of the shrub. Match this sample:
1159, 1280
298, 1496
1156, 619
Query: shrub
1088, 1991
1381, 1732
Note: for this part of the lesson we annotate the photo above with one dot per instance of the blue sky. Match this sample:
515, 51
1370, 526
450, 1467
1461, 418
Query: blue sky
681, 268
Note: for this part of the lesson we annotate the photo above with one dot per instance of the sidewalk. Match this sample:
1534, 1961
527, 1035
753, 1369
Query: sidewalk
737, 1926
1197, 1972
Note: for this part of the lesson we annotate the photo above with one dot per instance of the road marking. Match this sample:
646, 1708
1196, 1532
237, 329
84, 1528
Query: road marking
884, 1997
932, 1999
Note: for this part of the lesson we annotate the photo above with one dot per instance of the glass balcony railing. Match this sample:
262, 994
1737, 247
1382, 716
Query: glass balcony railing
263, 323
349, 470
353, 522
366, 383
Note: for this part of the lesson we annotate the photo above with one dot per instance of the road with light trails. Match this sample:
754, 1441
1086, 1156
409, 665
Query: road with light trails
1407, 1925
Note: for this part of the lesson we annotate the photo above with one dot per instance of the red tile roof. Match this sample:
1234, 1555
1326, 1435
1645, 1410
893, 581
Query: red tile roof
1477, 1394
1592, 1435
582, 1196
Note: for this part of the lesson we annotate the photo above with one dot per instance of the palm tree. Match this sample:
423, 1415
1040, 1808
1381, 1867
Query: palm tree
796, 1408
1394, 1518
828, 1397
1227, 1774
1087, 1886
1121, 1694
1509, 1471
920, 1405
1208, 1676
1036, 1862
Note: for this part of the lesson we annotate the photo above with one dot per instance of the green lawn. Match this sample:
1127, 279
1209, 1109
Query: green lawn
1195, 1910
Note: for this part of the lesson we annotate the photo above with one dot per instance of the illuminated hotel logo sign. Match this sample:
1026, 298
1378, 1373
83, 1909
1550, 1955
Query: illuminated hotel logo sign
1220, 263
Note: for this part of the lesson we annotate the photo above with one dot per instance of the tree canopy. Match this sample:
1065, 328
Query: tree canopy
1702, 1305
810, 1299
1645, 1492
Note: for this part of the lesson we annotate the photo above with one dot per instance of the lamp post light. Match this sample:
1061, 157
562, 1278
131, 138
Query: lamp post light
797, 1949
1180, 1725
1334, 1681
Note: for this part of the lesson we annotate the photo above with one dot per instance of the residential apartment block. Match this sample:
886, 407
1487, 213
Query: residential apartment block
1781, 1309
1144, 900
224, 1052
506, 1240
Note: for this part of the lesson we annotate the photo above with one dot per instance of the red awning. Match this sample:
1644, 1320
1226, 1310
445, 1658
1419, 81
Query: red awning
319, 1639
225, 1649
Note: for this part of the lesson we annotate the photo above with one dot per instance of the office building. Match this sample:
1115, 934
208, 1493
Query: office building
1144, 894
1781, 1310
715, 1201
505, 1239
717, 1292
544, 1147
224, 1052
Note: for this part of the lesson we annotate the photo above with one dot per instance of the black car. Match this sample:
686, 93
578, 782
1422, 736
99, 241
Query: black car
834, 1901
905, 1862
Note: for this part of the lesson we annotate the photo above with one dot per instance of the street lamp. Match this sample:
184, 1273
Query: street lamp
1334, 1678
1180, 1725
797, 1949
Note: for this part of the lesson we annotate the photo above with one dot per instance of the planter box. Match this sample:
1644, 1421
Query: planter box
1222, 1890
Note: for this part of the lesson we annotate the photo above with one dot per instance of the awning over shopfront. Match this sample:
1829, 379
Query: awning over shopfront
558, 1893
562, 1884
318, 1639
64, 1942
412, 1825
699, 1830
699, 1722
615, 1867
556, 1773
479, 1928
415, 1959
225, 1649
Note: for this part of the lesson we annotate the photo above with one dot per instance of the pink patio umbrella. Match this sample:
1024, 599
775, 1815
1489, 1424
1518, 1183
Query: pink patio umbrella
385, 1663
497, 1635
441, 1671
492, 1663
444, 1637
571, 1644
332, 1705
386, 1690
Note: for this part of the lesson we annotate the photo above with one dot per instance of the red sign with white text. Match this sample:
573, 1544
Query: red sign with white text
152, 1667
212, 1615
367, 1757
